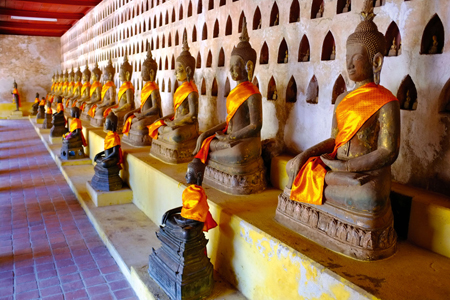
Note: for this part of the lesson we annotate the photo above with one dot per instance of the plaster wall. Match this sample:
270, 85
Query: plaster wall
116, 26
31, 61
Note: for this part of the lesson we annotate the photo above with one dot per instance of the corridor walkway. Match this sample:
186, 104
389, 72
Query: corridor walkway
48, 247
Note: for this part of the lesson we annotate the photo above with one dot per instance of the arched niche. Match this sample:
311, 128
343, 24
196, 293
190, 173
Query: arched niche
160, 64
407, 94
172, 64
241, 21
163, 87
272, 93
257, 19
203, 87
177, 38
393, 40
211, 5
152, 45
343, 6
199, 7
157, 42
229, 26
189, 13
377, 3
160, 20
209, 59
173, 15
444, 99
433, 37
169, 40
204, 32
291, 91
154, 22
283, 52
338, 88
222, 2
169, 86
221, 62
294, 12
317, 9
312, 92
274, 15
264, 55
216, 29
199, 61
163, 42
167, 18
166, 64
227, 88
194, 34
180, 15
328, 47
255, 82
214, 88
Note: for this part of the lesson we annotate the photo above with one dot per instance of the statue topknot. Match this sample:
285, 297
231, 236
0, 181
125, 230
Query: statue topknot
243, 48
185, 56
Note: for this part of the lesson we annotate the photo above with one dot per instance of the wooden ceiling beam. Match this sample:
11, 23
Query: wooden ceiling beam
32, 33
86, 3
22, 25
39, 14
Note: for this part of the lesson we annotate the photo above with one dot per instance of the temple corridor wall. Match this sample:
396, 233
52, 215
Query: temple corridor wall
301, 64
31, 61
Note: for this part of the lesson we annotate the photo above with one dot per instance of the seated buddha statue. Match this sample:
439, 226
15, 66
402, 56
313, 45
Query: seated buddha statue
125, 94
95, 95
174, 136
85, 89
48, 116
232, 149
62, 84
100, 111
59, 122
69, 92
16, 96
73, 141
109, 161
41, 109
56, 89
49, 96
35, 105
338, 190
135, 129
76, 90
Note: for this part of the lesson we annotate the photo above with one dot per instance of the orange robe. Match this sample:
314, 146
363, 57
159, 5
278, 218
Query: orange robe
235, 99
83, 88
36, 100
74, 125
123, 88
59, 107
195, 206
16, 92
179, 96
42, 103
352, 112
105, 88
112, 139
49, 110
147, 90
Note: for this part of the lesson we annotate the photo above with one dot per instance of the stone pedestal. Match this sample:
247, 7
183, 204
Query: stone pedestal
173, 153
181, 266
72, 149
358, 235
137, 138
107, 179
106, 198
85, 117
97, 122
47, 124
17, 114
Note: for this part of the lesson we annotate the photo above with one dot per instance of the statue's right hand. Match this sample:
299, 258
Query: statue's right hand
198, 146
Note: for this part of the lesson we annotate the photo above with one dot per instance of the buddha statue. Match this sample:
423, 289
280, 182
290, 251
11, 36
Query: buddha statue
95, 95
275, 94
135, 129
125, 95
346, 7
16, 96
49, 96
76, 90
338, 190
100, 111
174, 136
73, 141
35, 106
275, 23
320, 12
48, 116
333, 53
63, 77
59, 121
407, 103
109, 160
69, 92
232, 149
85, 89
434, 46
393, 50
180, 266
286, 57
306, 57
41, 110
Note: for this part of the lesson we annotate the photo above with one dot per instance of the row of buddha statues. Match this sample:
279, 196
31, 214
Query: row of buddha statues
338, 190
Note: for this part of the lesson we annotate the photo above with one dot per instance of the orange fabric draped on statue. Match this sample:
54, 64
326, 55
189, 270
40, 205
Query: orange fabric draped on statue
147, 90
195, 206
235, 99
75, 124
112, 139
42, 102
179, 96
59, 107
49, 110
94, 86
92, 110
84, 87
123, 88
36, 100
352, 112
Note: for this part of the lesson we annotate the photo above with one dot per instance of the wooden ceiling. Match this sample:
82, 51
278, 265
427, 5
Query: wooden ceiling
67, 12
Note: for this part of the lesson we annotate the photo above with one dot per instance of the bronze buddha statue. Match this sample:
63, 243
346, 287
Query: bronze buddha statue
76, 90
69, 92
35, 105
232, 149
135, 129
59, 121
338, 190
95, 95
16, 96
85, 89
48, 116
174, 136
41, 109
73, 141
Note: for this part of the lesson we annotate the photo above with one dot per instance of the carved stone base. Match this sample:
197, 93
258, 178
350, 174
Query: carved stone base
181, 266
72, 150
47, 121
173, 153
351, 237
85, 117
137, 138
106, 179
97, 122
59, 126
236, 180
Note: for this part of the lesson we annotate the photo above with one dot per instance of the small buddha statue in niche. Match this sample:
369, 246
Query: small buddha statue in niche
59, 121
346, 7
16, 96
343, 183
135, 129
275, 23
393, 50
95, 95
286, 57
259, 25
333, 53
109, 160
306, 57
76, 90
48, 116
174, 136
125, 95
73, 141
85, 89
407, 104
35, 106
434, 46
320, 12
108, 97
232, 149
275, 94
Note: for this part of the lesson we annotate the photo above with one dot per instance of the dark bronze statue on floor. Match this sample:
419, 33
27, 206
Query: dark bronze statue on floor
109, 161
181, 266
232, 149
135, 129
59, 121
73, 141
338, 190
174, 136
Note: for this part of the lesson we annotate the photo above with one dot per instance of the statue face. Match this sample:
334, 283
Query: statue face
108, 124
70, 78
94, 77
77, 78
237, 68
180, 72
124, 75
359, 67
190, 177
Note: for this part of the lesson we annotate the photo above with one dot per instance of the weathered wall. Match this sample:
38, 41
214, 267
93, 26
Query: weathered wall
31, 61
116, 25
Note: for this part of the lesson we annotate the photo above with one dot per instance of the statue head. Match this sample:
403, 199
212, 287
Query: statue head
15, 84
75, 112
66, 76
96, 73
58, 99
86, 73
37, 95
185, 63
109, 71
243, 57
111, 122
78, 74
149, 67
126, 70
194, 173
365, 48
71, 75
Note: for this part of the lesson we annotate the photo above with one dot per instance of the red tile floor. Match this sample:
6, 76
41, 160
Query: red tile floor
48, 247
